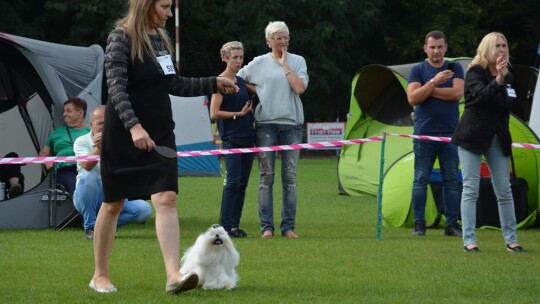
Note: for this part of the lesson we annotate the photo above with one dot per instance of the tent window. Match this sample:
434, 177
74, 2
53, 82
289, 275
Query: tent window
6, 103
24, 89
381, 95
13, 88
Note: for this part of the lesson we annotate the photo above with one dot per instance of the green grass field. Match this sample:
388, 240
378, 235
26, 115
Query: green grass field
337, 258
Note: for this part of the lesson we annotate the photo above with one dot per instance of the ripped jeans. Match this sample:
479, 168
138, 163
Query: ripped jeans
270, 134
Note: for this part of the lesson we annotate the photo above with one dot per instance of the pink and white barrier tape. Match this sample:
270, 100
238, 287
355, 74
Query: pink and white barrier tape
60, 159
50, 159
326, 144
422, 137
526, 146
447, 139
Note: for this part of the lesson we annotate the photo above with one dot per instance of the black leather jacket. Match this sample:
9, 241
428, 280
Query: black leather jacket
487, 112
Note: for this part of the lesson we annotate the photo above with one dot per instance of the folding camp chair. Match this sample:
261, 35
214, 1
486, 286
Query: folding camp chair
58, 195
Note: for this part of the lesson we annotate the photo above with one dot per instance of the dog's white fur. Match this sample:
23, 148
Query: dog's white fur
214, 258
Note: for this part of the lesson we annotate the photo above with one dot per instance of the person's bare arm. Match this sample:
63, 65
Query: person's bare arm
296, 83
418, 93
453, 93
141, 139
251, 88
215, 106
80, 149
45, 152
89, 165
217, 113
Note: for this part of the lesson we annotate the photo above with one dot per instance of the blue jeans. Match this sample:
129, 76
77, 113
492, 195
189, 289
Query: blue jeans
425, 153
270, 134
234, 190
498, 165
89, 196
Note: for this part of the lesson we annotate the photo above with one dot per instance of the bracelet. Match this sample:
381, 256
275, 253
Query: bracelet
288, 72
234, 116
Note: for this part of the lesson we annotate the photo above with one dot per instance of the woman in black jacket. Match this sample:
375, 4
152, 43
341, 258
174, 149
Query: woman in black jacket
484, 130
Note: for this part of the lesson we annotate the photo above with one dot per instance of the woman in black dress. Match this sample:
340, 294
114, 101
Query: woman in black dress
140, 75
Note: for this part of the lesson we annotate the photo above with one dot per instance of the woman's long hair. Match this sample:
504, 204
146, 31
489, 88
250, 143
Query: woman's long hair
135, 22
487, 50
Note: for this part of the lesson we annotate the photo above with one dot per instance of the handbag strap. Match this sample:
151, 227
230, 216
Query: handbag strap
69, 134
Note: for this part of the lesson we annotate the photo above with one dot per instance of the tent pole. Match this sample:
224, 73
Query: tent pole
379, 196
529, 98
177, 32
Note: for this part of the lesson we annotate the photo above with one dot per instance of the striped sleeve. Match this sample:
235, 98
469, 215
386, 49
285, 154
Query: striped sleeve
187, 87
117, 56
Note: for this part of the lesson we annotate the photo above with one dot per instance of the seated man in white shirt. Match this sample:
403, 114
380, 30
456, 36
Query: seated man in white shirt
89, 191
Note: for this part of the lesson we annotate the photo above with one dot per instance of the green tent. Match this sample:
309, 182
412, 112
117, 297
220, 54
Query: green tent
397, 184
379, 103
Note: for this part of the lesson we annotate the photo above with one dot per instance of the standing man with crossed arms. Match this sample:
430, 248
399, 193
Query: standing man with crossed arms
435, 91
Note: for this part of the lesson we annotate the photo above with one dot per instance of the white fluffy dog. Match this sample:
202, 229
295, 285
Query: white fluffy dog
214, 258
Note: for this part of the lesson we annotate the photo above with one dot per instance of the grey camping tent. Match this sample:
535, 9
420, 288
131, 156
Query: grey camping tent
36, 77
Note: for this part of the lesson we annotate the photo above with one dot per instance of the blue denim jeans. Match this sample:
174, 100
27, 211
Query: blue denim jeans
89, 197
236, 181
425, 153
269, 134
498, 165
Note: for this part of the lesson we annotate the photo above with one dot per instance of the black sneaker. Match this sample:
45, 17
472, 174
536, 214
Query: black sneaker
453, 230
237, 233
88, 234
419, 229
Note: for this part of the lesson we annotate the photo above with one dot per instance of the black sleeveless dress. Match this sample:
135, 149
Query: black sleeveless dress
139, 93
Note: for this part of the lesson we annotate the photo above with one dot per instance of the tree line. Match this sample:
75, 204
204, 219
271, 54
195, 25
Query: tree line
337, 37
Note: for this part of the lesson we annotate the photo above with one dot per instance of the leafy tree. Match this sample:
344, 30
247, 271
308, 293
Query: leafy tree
518, 21
18, 17
405, 24
337, 37
80, 22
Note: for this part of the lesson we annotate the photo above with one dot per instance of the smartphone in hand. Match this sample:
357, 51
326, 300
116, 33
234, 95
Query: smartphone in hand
451, 66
